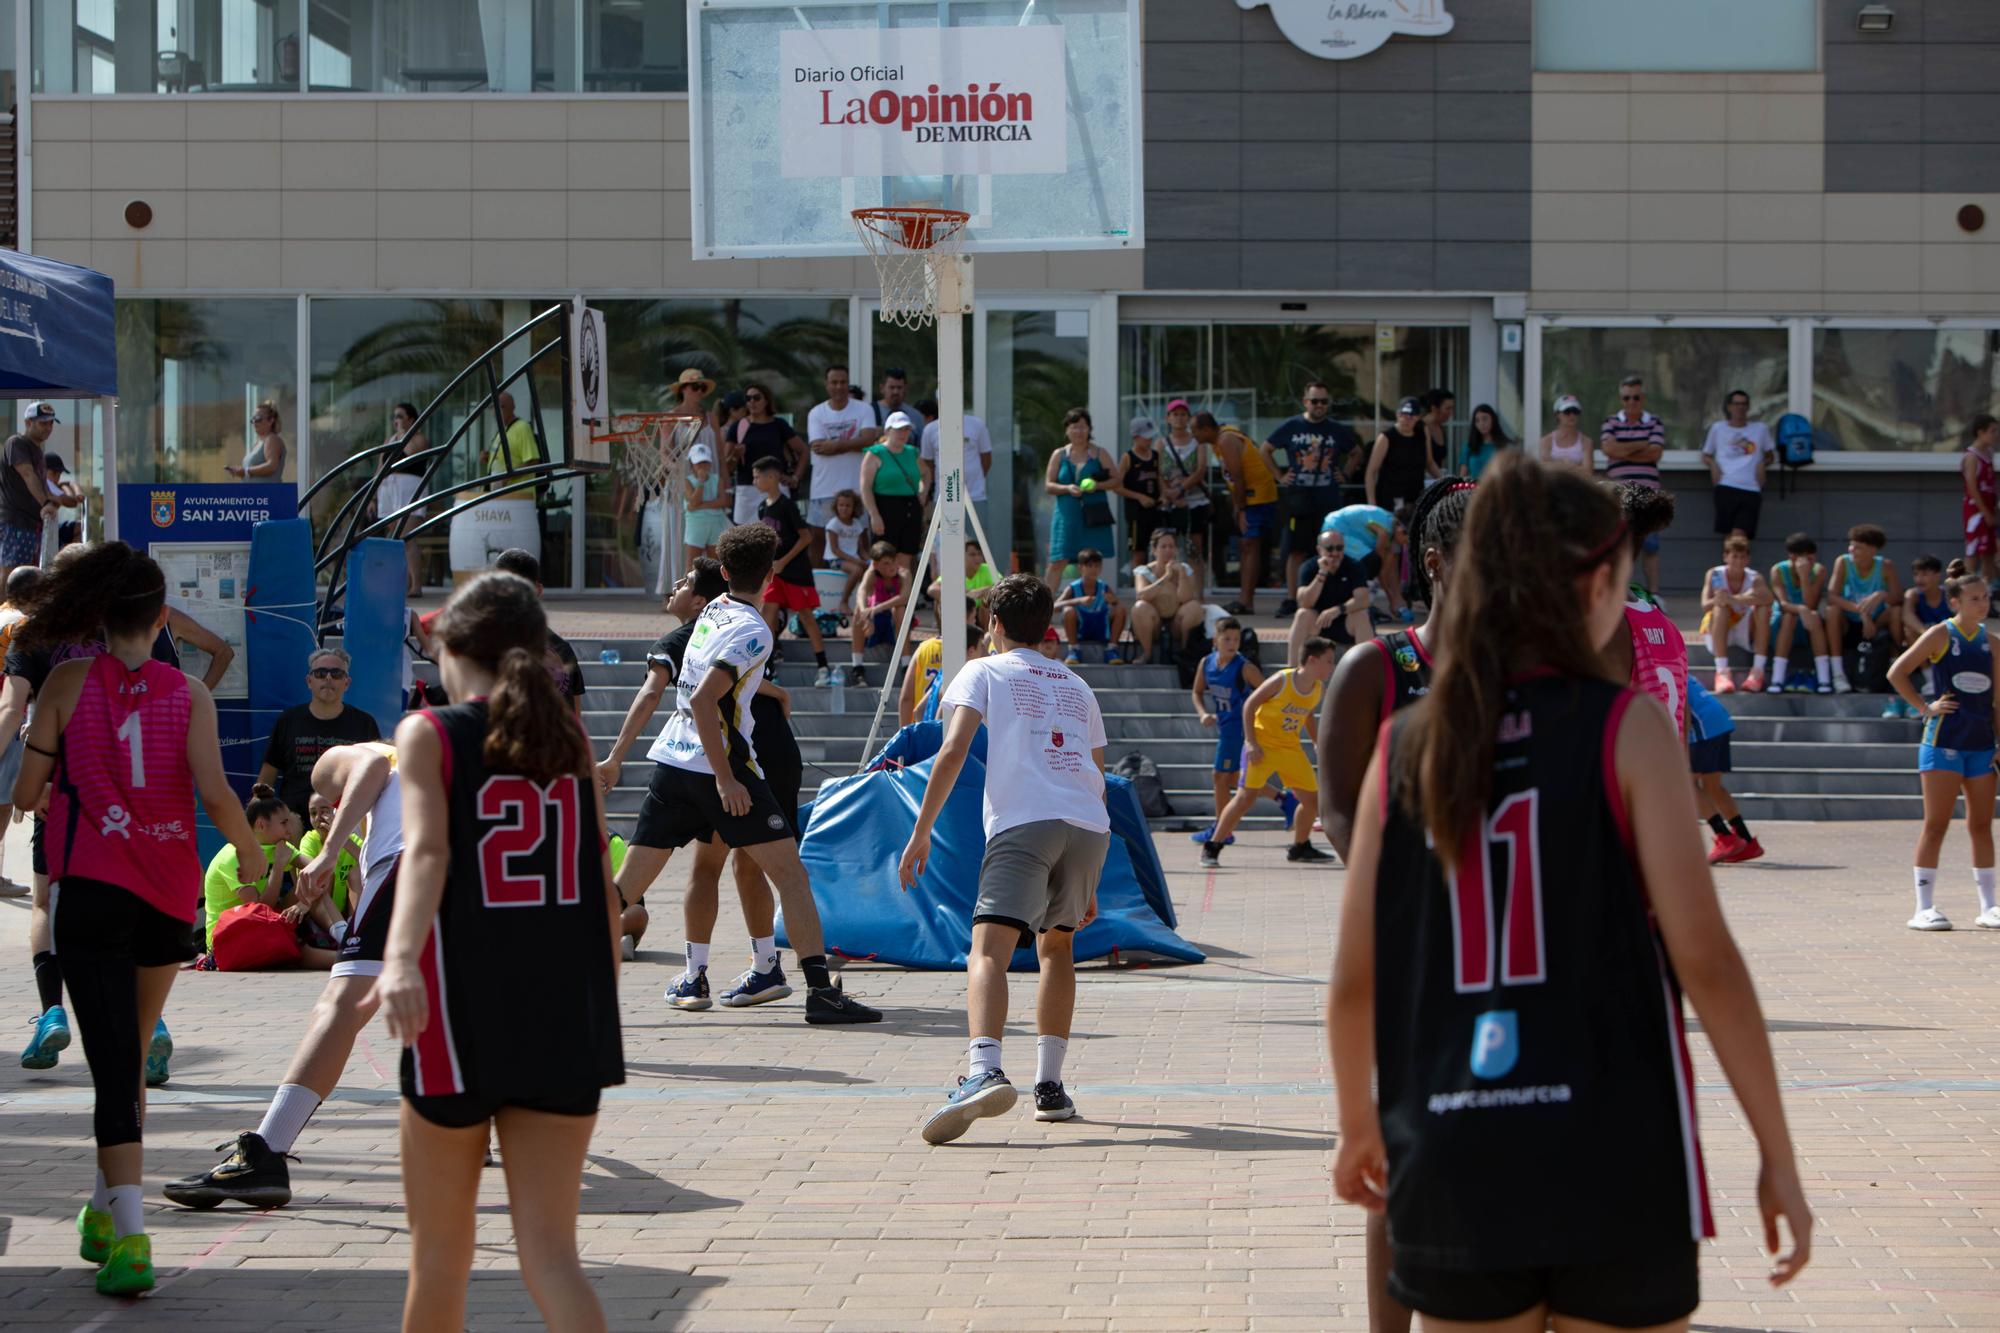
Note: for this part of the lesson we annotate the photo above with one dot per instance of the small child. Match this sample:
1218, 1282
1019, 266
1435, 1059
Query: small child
791, 587
843, 541
1709, 726
270, 820
877, 603
705, 504
1051, 646
1091, 611
979, 580
1225, 680
1278, 715
1797, 583
1923, 606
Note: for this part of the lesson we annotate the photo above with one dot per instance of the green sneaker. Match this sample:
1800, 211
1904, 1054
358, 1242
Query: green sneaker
93, 1230
129, 1268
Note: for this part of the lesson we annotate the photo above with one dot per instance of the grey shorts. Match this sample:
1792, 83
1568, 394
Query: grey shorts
1040, 876
10, 769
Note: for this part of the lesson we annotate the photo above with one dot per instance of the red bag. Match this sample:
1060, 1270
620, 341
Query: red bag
253, 936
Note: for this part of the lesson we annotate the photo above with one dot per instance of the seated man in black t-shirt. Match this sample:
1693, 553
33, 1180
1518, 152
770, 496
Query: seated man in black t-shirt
305, 732
1333, 602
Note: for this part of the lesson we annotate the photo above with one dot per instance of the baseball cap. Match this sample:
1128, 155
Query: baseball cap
1052, 636
1409, 405
39, 411
1178, 405
1568, 403
701, 453
898, 421
54, 463
1144, 428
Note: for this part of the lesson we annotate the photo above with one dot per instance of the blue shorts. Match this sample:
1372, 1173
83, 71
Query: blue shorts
1650, 546
1229, 749
1965, 763
1260, 520
1093, 626
881, 630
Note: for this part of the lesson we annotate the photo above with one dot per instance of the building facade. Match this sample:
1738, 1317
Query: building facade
347, 200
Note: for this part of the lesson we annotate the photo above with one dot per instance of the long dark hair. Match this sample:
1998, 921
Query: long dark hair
1529, 532
103, 587
1497, 438
497, 621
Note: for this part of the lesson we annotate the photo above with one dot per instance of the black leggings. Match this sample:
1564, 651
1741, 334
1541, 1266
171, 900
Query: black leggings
104, 935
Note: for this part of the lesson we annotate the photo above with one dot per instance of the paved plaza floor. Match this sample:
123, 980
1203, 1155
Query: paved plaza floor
755, 1173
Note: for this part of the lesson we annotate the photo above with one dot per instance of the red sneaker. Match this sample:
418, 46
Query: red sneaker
1724, 848
1744, 851
1723, 684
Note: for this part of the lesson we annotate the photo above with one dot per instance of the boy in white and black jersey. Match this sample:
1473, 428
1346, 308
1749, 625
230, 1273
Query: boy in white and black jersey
707, 781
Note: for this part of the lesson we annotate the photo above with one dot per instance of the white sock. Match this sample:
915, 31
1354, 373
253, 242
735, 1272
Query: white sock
1984, 879
1049, 1053
291, 1106
854, 655
764, 952
339, 931
1757, 665
100, 1196
1926, 886
697, 957
982, 1053
1839, 666
1824, 666
128, 1210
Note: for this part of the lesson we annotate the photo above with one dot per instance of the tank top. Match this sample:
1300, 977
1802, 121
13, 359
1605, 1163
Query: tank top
1928, 615
1096, 605
884, 588
1069, 474
1854, 587
1226, 691
1401, 475
896, 472
1528, 1025
1284, 717
1983, 482
1568, 453
1179, 461
1784, 572
1659, 655
1965, 669
1260, 485
1718, 578
122, 809
1406, 670
1142, 475
383, 841
166, 648
525, 889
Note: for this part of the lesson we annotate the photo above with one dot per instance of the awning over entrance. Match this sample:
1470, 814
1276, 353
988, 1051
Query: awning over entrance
56, 338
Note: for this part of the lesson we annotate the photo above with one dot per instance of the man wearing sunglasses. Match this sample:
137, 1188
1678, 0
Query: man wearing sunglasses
306, 731
1633, 439
1311, 455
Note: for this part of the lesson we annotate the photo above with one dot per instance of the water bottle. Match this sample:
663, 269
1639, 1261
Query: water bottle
609, 657
837, 699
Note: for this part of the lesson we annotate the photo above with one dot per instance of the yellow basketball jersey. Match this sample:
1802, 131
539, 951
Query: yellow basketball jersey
1282, 720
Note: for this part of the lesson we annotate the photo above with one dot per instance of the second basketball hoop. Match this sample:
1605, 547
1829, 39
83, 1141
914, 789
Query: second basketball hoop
920, 261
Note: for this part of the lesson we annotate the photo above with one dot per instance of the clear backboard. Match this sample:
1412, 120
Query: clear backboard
1023, 113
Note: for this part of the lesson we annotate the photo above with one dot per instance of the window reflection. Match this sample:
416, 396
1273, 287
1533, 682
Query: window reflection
173, 46
191, 374
1687, 372
1902, 389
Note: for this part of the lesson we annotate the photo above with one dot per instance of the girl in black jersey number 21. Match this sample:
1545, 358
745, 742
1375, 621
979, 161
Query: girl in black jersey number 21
503, 859
1527, 897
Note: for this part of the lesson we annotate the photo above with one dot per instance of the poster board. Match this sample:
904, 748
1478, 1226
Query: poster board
207, 581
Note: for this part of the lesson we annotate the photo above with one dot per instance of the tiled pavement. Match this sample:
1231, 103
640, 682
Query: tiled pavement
756, 1173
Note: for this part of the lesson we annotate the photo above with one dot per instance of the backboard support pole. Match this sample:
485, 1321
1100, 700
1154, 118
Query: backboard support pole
954, 298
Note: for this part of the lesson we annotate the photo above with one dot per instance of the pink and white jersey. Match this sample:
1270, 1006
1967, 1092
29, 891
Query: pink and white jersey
122, 810
1659, 656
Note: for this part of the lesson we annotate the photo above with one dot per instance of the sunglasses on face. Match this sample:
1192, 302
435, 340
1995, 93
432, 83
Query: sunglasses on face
1319, 402
1631, 397
753, 397
327, 673
1570, 412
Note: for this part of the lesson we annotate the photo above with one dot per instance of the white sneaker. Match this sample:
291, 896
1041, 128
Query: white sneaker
1841, 685
839, 676
824, 677
1988, 919
1931, 919
628, 948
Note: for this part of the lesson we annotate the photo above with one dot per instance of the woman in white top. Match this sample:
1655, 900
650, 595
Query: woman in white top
1566, 444
266, 456
1184, 465
1167, 595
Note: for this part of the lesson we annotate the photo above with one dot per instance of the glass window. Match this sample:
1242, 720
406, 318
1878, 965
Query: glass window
169, 46
1687, 372
192, 374
783, 343
1701, 36
635, 46
1037, 369
1901, 389
442, 46
78, 442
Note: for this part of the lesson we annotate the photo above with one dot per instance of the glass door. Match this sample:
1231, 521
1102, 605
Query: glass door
1034, 365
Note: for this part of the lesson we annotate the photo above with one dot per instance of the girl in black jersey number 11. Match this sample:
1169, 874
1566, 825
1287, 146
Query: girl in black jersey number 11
504, 859
1531, 1129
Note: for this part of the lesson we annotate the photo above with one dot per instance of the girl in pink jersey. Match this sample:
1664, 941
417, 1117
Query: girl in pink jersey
126, 742
1650, 653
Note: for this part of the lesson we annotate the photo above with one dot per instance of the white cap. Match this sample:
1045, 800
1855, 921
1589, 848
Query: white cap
701, 453
39, 411
1568, 403
898, 421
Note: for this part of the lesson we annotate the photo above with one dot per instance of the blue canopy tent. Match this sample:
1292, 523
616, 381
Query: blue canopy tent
56, 330
854, 836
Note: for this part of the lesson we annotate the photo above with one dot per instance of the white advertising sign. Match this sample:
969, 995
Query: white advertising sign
1344, 29
923, 102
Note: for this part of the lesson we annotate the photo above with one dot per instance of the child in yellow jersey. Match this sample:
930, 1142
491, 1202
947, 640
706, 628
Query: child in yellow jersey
1279, 714
918, 698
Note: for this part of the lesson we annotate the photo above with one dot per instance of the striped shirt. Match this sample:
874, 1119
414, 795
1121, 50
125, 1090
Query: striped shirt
1648, 429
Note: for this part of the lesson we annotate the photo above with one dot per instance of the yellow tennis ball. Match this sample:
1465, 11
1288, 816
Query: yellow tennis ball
1087, 485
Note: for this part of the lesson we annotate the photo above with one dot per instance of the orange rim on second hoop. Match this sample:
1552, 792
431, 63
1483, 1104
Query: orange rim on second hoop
910, 227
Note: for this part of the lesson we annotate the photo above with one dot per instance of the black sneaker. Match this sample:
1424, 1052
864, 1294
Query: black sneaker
856, 676
1052, 1103
1211, 856
251, 1174
1240, 609
1307, 853
1288, 607
830, 1004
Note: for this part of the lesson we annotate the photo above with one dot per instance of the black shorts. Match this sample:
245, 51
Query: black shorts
367, 942
1709, 756
1656, 1287
1303, 509
1737, 509
39, 852
902, 522
462, 1110
98, 920
682, 806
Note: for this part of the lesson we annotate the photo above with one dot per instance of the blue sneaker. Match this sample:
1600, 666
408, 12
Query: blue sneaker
690, 991
755, 987
157, 1054
51, 1036
1203, 835
1290, 805
1407, 615
976, 1098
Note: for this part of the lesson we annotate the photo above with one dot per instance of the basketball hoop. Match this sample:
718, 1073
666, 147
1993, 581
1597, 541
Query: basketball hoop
907, 243
652, 446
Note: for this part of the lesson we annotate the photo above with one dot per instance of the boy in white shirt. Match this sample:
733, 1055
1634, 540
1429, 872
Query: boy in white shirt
1047, 833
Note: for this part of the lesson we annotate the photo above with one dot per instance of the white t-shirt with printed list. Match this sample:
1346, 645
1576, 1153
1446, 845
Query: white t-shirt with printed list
834, 473
1042, 722
733, 637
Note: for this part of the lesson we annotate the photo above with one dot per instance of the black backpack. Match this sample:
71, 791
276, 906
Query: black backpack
1144, 775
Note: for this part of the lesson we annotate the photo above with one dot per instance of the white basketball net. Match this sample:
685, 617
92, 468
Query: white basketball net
908, 245
653, 447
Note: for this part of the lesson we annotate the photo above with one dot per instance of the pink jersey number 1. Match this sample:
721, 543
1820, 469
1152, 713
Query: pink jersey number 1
1516, 823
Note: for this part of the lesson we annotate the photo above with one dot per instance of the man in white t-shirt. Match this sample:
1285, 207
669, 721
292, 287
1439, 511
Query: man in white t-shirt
1047, 833
706, 782
978, 459
837, 431
1738, 452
